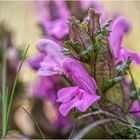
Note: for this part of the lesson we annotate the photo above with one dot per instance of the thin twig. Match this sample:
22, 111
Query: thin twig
73, 130
85, 130
35, 123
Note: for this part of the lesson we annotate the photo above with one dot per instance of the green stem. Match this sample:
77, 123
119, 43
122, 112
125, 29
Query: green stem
4, 92
134, 86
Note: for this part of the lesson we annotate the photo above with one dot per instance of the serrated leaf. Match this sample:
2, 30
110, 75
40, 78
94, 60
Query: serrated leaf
122, 69
111, 82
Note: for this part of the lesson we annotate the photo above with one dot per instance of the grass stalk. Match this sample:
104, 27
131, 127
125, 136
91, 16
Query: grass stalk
4, 92
14, 85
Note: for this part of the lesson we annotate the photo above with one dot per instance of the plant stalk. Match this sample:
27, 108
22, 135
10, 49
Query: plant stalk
4, 92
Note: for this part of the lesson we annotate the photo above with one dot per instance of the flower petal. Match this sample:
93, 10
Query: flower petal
66, 107
79, 74
53, 18
135, 108
66, 94
85, 100
44, 89
82, 101
125, 53
50, 48
120, 27
35, 62
48, 69
52, 62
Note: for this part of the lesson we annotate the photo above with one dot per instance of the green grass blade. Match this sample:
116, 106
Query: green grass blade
14, 84
4, 94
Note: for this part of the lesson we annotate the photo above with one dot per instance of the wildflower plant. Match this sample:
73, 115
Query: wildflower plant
47, 65
95, 66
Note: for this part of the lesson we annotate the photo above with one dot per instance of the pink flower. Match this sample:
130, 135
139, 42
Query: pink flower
53, 16
46, 88
81, 96
51, 64
119, 28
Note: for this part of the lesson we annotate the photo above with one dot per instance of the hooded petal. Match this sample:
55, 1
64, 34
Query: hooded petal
125, 53
52, 62
66, 94
120, 27
48, 67
49, 47
79, 74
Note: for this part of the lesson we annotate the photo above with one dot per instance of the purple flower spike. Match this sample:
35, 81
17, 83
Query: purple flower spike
51, 63
120, 27
53, 15
81, 96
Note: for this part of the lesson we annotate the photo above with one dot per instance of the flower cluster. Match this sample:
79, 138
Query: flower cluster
47, 65
91, 45
93, 63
